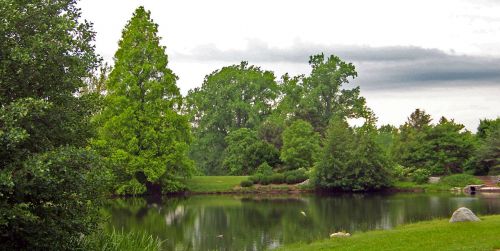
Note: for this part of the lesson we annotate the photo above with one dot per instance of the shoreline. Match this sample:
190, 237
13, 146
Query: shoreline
436, 234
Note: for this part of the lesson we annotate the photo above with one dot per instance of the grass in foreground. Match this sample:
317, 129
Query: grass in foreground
120, 241
211, 184
428, 235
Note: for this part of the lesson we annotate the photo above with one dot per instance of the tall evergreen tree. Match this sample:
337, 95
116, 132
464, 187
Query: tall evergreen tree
141, 131
352, 160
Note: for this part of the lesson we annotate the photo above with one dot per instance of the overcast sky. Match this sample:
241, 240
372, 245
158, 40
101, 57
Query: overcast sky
440, 56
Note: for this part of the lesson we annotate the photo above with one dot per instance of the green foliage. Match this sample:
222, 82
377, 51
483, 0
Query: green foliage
121, 241
420, 176
386, 138
352, 160
245, 152
400, 172
271, 131
450, 147
234, 97
300, 145
319, 96
49, 201
486, 127
142, 135
487, 156
49, 188
246, 183
459, 180
264, 169
277, 178
443, 148
296, 176
45, 57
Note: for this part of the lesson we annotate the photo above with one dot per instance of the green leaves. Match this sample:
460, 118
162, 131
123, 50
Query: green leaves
237, 96
141, 130
352, 160
245, 152
441, 149
49, 190
300, 145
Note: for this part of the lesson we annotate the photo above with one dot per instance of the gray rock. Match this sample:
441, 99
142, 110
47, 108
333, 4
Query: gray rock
434, 180
463, 214
304, 183
340, 234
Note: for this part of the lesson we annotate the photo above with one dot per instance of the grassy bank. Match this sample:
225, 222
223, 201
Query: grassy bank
214, 184
429, 235
231, 184
445, 184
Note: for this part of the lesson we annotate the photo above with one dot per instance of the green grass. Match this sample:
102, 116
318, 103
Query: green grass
120, 241
428, 235
445, 184
212, 184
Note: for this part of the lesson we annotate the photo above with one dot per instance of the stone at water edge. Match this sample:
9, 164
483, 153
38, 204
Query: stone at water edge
340, 234
463, 214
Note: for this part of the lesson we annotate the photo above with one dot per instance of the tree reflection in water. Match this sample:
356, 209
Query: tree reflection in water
256, 222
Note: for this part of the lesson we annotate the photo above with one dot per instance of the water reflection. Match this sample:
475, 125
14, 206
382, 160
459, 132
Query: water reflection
262, 222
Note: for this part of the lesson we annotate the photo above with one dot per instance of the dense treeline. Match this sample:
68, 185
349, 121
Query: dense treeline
71, 132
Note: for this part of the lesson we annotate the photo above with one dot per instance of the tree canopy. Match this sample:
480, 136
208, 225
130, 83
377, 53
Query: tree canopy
234, 97
141, 132
48, 189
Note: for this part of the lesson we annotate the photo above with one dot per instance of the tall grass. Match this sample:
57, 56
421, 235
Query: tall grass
122, 241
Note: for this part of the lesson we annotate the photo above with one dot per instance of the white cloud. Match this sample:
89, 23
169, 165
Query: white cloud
459, 27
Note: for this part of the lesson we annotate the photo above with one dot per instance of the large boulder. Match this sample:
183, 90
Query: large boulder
463, 214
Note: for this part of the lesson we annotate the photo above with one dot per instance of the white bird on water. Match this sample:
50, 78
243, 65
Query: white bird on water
303, 213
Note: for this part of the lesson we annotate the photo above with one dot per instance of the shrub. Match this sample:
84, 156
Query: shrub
265, 180
246, 183
264, 169
277, 178
400, 172
255, 179
420, 176
296, 176
58, 195
460, 180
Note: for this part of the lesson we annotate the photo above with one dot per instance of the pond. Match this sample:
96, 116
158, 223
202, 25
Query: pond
257, 222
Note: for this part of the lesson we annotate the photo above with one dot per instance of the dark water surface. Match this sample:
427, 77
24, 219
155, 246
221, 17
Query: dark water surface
256, 222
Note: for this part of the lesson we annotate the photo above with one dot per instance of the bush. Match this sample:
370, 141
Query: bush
265, 180
246, 183
420, 176
57, 197
277, 178
460, 180
255, 179
264, 169
295, 176
400, 172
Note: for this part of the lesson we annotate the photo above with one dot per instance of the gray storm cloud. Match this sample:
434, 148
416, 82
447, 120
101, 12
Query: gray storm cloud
378, 67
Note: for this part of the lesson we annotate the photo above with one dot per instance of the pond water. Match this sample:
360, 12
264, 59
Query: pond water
256, 222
